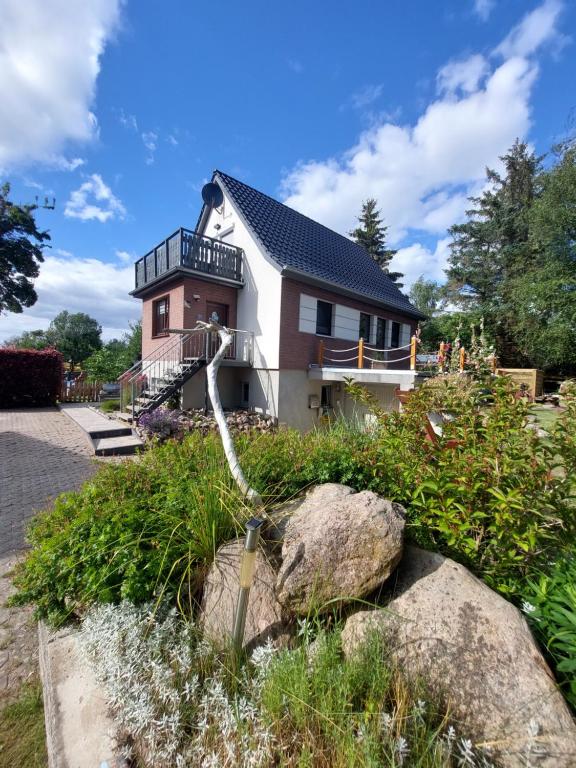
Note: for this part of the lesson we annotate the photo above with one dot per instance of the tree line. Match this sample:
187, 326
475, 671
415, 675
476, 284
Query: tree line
79, 338
512, 263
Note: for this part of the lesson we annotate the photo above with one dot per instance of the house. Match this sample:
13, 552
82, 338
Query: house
311, 307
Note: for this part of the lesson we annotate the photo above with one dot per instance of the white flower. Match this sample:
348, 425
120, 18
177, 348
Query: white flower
528, 607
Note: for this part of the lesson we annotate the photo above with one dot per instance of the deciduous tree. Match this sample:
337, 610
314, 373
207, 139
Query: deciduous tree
21, 244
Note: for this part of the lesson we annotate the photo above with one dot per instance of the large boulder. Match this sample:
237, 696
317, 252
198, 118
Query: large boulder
475, 650
263, 620
338, 545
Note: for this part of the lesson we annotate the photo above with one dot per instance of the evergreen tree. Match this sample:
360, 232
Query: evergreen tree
492, 248
371, 235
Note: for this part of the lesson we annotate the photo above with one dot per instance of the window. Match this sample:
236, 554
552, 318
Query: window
324, 318
395, 336
364, 326
245, 393
380, 333
160, 317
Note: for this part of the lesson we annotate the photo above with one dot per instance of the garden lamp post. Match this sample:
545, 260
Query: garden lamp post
247, 568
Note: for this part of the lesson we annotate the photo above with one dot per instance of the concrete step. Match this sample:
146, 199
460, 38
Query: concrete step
108, 437
117, 446
94, 424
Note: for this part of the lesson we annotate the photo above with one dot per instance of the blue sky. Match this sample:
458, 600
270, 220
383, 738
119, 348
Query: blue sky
121, 110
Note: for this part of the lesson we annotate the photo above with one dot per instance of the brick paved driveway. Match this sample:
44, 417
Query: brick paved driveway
42, 453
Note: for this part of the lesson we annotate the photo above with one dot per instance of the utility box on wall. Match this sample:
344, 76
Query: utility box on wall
313, 401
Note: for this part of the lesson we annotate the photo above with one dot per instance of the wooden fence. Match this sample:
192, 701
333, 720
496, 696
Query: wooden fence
80, 392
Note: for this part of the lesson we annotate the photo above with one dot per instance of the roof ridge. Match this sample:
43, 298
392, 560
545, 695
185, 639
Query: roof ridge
278, 202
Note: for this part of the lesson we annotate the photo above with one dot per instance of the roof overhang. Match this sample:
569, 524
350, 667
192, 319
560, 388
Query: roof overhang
319, 282
166, 277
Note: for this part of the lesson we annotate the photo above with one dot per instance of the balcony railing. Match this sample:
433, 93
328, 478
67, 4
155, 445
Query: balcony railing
192, 251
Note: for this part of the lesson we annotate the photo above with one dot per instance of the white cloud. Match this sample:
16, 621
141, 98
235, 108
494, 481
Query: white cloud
416, 260
125, 257
421, 174
535, 29
365, 96
128, 121
464, 74
150, 140
483, 8
94, 200
49, 63
78, 285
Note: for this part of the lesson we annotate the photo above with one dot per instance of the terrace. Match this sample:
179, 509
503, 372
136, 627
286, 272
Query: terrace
192, 253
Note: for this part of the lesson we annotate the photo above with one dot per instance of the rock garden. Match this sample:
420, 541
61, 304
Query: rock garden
413, 601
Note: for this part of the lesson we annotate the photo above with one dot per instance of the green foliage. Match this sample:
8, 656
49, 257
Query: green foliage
371, 235
514, 260
21, 245
348, 712
115, 357
22, 734
75, 335
105, 364
485, 493
135, 530
551, 609
426, 295
108, 406
29, 340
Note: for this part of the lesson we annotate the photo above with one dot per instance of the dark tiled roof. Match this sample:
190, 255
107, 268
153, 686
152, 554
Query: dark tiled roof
297, 242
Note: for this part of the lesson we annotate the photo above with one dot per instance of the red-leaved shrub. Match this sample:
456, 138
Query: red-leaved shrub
30, 377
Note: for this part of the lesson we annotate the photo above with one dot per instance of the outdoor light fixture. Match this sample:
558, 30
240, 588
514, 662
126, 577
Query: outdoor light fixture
247, 568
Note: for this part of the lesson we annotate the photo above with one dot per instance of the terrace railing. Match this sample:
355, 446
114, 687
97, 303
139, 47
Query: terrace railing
190, 250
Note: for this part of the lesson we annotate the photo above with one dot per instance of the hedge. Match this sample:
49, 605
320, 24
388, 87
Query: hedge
30, 377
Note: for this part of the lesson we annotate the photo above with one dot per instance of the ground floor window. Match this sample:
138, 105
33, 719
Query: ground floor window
244, 393
160, 317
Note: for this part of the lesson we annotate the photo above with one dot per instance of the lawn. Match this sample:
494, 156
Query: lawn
22, 735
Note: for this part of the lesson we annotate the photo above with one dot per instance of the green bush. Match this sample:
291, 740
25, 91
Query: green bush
550, 605
135, 530
486, 493
109, 406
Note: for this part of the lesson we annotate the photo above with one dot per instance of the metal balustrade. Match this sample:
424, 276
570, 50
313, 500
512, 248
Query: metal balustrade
190, 250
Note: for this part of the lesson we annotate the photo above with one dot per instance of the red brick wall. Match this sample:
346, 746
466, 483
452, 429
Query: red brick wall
180, 290
298, 349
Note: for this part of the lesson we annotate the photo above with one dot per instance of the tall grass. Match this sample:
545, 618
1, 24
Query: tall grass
186, 704
137, 530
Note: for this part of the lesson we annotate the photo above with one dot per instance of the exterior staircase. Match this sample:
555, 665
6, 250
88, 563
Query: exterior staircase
151, 382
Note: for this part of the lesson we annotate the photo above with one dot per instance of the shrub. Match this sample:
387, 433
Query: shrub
184, 704
550, 605
30, 377
486, 493
108, 406
135, 531
160, 423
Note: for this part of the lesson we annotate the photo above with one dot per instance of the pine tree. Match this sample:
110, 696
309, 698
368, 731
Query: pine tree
371, 235
492, 248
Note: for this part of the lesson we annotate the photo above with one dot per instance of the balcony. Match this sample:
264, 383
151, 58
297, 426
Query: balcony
191, 252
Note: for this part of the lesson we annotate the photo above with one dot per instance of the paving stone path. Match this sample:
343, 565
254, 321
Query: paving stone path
42, 453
